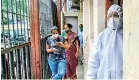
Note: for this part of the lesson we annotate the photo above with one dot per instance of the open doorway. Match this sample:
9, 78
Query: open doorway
74, 21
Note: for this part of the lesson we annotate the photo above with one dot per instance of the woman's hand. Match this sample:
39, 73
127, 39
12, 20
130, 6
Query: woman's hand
53, 49
77, 55
59, 44
66, 46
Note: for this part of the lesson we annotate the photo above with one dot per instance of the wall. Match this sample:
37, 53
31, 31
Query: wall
99, 17
131, 39
86, 37
45, 15
114, 1
94, 23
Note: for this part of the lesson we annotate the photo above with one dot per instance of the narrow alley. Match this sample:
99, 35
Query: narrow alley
45, 39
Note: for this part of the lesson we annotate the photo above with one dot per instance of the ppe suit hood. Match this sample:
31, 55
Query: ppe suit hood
115, 8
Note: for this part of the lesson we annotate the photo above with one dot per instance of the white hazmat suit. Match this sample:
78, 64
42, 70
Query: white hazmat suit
106, 58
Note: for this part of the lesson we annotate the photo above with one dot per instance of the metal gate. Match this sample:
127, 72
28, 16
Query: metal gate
16, 55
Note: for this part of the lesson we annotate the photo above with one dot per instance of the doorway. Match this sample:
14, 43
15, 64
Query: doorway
74, 21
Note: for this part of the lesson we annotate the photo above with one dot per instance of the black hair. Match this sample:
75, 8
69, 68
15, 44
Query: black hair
69, 25
81, 25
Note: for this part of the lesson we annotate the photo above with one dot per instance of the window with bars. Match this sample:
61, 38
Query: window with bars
15, 22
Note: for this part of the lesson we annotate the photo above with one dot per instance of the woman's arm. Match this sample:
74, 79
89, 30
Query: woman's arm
77, 48
65, 45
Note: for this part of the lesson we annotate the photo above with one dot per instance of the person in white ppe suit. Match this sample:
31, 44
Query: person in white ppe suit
106, 58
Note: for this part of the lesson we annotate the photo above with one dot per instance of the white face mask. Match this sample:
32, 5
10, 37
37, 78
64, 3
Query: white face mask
113, 23
55, 36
